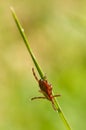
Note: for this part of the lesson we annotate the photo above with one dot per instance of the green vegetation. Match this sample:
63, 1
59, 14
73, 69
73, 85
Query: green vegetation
42, 76
56, 32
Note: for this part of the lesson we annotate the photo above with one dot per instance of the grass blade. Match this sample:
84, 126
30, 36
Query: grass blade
21, 30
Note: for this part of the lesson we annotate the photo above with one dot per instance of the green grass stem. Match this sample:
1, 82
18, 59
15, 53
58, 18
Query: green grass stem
21, 30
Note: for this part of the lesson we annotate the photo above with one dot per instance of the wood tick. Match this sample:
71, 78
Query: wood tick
45, 89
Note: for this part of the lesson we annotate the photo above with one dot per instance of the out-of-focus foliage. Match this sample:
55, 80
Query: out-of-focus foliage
57, 34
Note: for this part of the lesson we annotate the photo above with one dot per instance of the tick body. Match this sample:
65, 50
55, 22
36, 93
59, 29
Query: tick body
45, 89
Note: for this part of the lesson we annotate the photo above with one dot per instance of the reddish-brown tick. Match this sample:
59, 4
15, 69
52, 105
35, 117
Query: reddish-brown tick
45, 89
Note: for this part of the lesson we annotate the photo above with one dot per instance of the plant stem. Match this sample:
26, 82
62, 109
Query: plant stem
62, 115
21, 30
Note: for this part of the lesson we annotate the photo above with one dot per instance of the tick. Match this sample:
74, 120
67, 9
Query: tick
45, 89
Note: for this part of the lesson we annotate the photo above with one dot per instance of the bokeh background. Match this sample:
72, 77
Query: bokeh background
57, 34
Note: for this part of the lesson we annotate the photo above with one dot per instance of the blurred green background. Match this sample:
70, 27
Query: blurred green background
57, 34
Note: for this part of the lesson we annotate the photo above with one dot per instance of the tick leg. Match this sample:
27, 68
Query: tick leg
54, 107
38, 98
35, 75
56, 95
